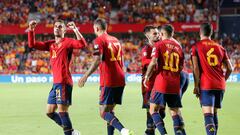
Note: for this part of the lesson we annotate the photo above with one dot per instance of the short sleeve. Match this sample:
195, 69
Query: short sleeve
193, 50
97, 47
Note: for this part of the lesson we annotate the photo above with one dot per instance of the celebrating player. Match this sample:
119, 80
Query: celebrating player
184, 77
168, 56
60, 96
152, 36
108, 56
209, 79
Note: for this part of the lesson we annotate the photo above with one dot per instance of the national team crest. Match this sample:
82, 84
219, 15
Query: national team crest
96, 46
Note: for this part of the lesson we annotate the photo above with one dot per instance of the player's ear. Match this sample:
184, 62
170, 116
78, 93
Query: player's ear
97, 28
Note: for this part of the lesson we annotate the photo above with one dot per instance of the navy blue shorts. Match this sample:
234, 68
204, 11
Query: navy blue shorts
60, 94
184, 81
146, 97
111, 95
172, 100
211, 98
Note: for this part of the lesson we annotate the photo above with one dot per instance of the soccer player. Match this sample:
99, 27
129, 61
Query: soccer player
108, 56
184, 76
60, 48
152, 35
209, 78
168, 56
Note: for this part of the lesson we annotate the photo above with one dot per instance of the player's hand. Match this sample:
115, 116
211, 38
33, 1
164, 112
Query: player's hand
71, 25
196, 91
32, 24
82, 81
145, 82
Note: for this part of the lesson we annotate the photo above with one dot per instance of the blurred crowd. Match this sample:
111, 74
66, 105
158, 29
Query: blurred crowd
16, 57
116, 11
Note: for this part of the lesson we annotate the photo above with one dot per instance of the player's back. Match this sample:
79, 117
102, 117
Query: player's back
111, 67
170, 63
211, 57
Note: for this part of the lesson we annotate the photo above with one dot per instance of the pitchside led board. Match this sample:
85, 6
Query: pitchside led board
47, 78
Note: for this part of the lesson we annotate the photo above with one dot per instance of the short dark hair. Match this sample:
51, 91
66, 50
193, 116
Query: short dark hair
206, 29
59, 20
101, 22
147, 28
169, 29
159, 27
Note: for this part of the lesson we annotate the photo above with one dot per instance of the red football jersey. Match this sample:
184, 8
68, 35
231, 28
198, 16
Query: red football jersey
170, 62
111, 66
146, 59
211, 56
60, 55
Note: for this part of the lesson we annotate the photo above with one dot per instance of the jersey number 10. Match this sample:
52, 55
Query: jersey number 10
170, 64
115, 45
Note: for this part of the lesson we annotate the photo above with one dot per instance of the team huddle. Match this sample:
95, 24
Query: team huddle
163, 79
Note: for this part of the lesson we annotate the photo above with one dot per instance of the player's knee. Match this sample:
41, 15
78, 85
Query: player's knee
151, 111
102, 114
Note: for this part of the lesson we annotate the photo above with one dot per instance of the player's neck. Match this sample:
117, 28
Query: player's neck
100, 33
204, 37
58, 39
163, 38
151, 43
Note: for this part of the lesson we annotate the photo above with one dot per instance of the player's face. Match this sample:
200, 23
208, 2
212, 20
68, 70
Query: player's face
162, 33
59, 29
153, 35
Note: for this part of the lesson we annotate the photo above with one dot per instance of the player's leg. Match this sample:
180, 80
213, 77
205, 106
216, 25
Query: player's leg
52, 106
184, 82
52, 114
64, 100
66, 122
207, 101
149, 121
162, 112
150, 124
106, 112
215, 119
109, 97
218, 104
156, 101
178, 122
174, 104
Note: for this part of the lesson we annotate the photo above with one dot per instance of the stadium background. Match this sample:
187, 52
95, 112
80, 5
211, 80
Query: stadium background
20, 64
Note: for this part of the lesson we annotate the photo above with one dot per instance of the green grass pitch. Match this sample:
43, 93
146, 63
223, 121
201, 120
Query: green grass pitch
22, 111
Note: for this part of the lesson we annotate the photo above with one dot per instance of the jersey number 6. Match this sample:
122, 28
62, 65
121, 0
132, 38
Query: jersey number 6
212, 58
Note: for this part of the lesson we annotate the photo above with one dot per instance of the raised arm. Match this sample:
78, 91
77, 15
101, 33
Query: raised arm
80, 42
31, 38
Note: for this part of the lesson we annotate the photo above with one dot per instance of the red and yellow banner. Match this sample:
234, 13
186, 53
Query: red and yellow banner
87, 28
